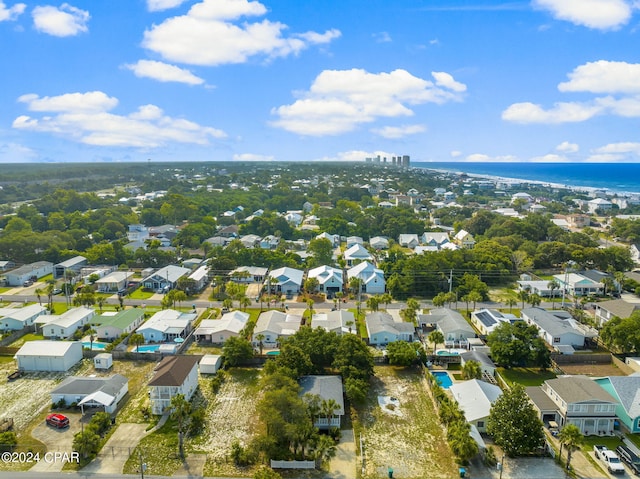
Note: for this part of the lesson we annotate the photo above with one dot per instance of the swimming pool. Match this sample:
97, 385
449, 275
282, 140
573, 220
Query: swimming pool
273, 353
443, 378
450, 352
147, 348
96, 345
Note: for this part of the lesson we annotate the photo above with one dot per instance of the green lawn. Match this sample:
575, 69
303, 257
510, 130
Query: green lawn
526, 376
27, 337
140, 294
610, 441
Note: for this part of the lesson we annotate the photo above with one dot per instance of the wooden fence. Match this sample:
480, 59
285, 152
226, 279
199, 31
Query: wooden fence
292, 464
593, 358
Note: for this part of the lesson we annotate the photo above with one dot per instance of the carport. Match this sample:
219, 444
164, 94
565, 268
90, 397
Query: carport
98, 399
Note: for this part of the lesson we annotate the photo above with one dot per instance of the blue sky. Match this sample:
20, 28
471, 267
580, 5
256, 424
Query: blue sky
222, 80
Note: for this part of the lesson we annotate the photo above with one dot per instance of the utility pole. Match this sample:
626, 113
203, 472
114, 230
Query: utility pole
451, 280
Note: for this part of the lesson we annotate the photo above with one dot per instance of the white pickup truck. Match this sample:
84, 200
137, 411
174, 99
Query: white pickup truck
610, 458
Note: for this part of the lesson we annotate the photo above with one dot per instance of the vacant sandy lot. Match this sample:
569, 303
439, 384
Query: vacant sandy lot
409, 437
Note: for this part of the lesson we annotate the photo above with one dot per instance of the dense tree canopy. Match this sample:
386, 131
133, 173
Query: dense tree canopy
518, 344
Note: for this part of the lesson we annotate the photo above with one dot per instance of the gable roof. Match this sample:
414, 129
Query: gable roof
574, 389
87, 385
618, 307
327, 387
475, 398
120, 320
174, 370
628, 390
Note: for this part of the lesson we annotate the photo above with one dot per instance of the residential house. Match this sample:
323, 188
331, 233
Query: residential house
137, 233
607, 310
354, 240
248, 274
48, 355
63, 326
114, 282
230, 231
487, 366
626, 391
330, 279
293, 217
356, 254
335, 239
475, 399
7, 265
269, 242
382, 329
379, 242
541, 288
464, 239
193, 263
92, 391
275, 325
575, 400
72, 265
174, 375
287, 280
522, 197
455, 329
167, 325
558, 328
168, 232
434, 238
372, 278
200, 278
250, 241
217, 331
165, 278
408, 240
487, 320
326, 388
578, 285
18, 276
599, 204
15, 319
339, 322
112, 324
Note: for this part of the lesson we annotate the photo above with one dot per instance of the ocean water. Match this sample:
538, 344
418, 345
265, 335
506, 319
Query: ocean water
615, 177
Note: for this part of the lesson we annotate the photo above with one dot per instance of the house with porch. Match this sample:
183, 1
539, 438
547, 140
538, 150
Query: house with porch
172, 376
339, 322
382, 329
63, 326
18, 276
166, 326
575, 400
356, 254
200, 278
372, 278
615, 308
558, 328
455, 329
330, 279
273, 326
104, 392
487, 320
328, 389
287, 280
248, 274
112, 324
15, 319
464, 239
217, 331
165, 278
408, 240
626, 390
114, 282
578, 285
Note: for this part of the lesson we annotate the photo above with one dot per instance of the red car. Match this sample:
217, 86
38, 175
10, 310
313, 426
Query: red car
58, 420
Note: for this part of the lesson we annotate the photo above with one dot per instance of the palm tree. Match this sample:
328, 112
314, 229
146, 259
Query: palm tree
39, 294
245, 302
471, 370
49, 292
609, 284
339, 295
260, 337
534, 300
373, 302
386, 298
511, 302
553, 285
310, 304
523, 296
100, 301
181, 410
136, 339
571, 438
436, 337
348, 324
227, 303
324, 450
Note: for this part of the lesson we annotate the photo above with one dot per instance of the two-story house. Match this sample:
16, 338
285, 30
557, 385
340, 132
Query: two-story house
174, 375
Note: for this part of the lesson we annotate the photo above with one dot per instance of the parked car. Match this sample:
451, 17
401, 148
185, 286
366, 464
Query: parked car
27, 283
56, 291
59, 421
630, 458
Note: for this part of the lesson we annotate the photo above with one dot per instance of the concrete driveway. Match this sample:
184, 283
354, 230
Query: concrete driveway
343, 465
116, 451
56, 440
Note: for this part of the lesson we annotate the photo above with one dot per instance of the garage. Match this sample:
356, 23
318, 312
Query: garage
48, 355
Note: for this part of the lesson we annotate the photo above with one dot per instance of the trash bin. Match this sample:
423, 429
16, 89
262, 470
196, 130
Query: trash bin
462, 471
390, 472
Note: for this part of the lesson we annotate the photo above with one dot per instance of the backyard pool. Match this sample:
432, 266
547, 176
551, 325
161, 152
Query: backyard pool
450, 352
147, 348
272, 353
443, 378
96, 345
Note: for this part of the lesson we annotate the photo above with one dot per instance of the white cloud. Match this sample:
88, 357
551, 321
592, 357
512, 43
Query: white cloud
158, 5
482, 158
597, 14
624, 147
206, 35
340, 100
627, 107
560, 113
163, 72
11, 13
16, 153
252, 157
567, 147
395, 132
549, 158
445, 80
65, 21
604, 77
455, 154
85, 118
382, 37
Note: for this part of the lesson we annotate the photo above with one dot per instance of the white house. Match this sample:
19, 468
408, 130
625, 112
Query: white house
408, 240
18, 276
558, 328
335, 239
165, 278
487, 366
599, 204
288, 280
379, 242
372, 278
455, 329
200, 277
248, 274
113, 282
275, 325
339, 322
219, 330
167, 325
357, 253
354, 240
326, 388
475, 398
577, 285
330, 279
48, 355
92, 391
382, 329
210, 363
486, 320
541, 288
111, 324
64, 325
173, 375
15, 319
